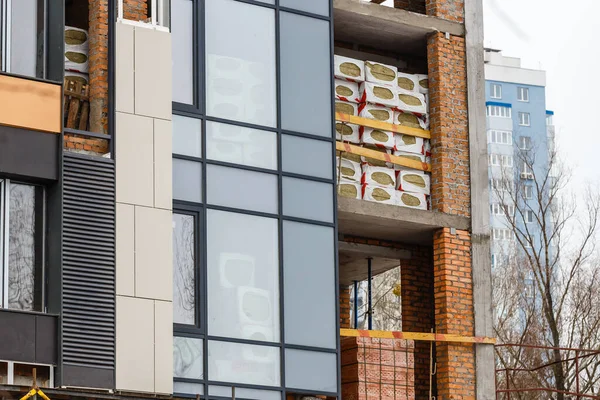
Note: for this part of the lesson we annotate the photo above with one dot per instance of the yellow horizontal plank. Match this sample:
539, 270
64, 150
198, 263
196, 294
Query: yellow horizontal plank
398, 160
384, 126
427, 337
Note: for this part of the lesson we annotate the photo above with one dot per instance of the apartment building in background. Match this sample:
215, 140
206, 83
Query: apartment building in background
520, 136
171, 221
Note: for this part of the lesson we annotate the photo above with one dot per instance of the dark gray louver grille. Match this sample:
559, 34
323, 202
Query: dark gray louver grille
88, 317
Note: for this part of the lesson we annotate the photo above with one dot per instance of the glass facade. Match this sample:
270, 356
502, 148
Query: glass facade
255, 304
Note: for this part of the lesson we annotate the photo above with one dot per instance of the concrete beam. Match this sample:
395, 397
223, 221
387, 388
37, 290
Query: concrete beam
387, 28
353, 260
480, 218
399, 224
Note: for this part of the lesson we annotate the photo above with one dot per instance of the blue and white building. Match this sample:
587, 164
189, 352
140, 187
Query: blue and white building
519, 127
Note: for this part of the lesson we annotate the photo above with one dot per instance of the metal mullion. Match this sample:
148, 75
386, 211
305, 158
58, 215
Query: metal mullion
3, 245
241, 211
257, 3
243, 385
242, 167
243, 341
201, 59
308, 177
305, 14
188, 331
7, 33
309, 135
308, 221
188, 158
241, 123
313, 392
310, 348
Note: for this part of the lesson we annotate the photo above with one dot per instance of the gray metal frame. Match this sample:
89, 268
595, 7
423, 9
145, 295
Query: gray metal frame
198, 110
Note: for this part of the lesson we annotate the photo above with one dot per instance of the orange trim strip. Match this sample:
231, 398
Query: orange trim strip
427, 337
386, 126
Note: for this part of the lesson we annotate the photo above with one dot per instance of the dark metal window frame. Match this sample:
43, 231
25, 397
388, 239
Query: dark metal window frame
198, 110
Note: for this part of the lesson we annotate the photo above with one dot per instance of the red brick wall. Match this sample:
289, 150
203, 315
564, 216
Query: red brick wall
135, 10
345, 307
453, 291
452, 10
77, 143
450, 183
411, 5
377, 369
98, 65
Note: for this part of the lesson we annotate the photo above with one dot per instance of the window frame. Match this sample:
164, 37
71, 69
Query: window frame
525, 143
523, 94
496, 91
500, 137
528, 194
524, 118
499, 111
529, 217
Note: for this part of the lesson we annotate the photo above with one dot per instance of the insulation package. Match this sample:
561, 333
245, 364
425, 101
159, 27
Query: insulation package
345, 132
411, 156
378, 176
347, 91
377, 137
413, 181
349, 189
427, 148
352, 157
412, 200
373, 161
76, 50
411, 120
381, 95
408, 82
411, 102
378, 113
385, 195
77, 77
423, 81
348, 170
349, 69
380, 73
345, 107
409, 144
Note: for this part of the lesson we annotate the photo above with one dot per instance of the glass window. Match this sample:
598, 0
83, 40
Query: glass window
243, 363
238, 188
187, 136
243, 276
524, 119
310, 370
496, 91
306, 156
320, 7
523, 94
307, 199
26, 46
525, 143
528, 189
240, 62
188, 388
257, 394
182, 35
529, 216
187, 180
184, 269
499, 111
500, 137
305, 75
309, 282
187, 358
241, 145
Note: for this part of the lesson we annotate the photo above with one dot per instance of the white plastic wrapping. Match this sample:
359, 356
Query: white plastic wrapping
411, 120
349, 189
349, 68
378, 176
411, 102
409, 144
411, 200
413, 181
381, 73
347, 91
377, 137
345, 132
423, 81
76, 50
373, 161
350, 170
408, 82
77, 77
378, 194
375, 93
411, 156
375, 112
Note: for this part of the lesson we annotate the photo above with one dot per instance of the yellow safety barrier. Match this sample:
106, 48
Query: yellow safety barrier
33, 392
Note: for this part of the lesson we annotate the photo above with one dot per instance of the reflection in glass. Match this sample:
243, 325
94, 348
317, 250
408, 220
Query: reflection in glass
27, 38
187, 179
21, 247
296, 151
243, 363
188, 388
307, 199
187, 358
243, 276
182, 34
310, 370
184, 291
187, 136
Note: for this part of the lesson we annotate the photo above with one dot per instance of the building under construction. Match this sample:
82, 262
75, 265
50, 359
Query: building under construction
196, 194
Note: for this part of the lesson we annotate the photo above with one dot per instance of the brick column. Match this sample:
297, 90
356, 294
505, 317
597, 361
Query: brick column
453, 292
345, 307
98, 65
417, 311
135, 10
450, 186
452, 10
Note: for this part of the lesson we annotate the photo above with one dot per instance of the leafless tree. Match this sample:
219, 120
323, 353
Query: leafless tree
546, 280
386, 301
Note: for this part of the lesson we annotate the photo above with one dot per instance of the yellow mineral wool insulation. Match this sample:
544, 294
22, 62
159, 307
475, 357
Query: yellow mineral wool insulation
411, 200
349, 189
347, 132
423, 81
377, 194
378, 176
411, 156
374, 162
413, 181
411, 120
376, 93
76, 50
380, 73
349, 68
347, 91
409, 144
408, 82
377, 137
378, 113
345, 107
411, 102
349, 170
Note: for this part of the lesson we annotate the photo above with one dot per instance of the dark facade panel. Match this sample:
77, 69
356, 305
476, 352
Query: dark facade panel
28, 337
28, 154
88, 272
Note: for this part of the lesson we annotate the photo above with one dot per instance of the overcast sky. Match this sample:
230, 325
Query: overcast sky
560, 39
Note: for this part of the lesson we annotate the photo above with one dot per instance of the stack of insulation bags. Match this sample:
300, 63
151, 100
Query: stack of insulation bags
378, 91
76, 54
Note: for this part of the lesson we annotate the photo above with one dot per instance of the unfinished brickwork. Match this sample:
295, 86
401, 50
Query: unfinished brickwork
80, 144
98, 65
135, 10
451, 10
375, 368
450, 183
453, 292
411, 5
345, 307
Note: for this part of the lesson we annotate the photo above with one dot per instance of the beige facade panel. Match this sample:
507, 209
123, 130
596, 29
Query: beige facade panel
163, 347
153, 73
124, 68
30, 104
153, 253
135, 159
125, 271
163, 176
